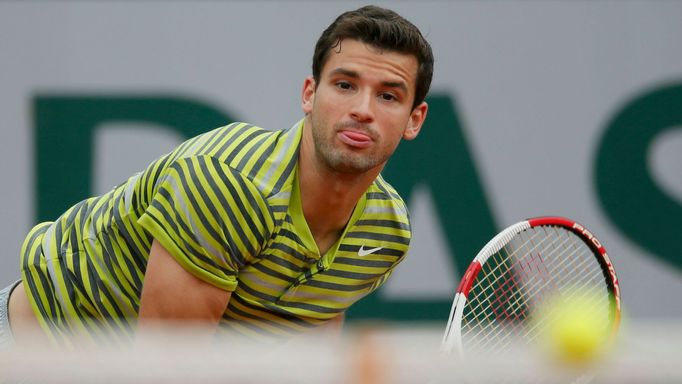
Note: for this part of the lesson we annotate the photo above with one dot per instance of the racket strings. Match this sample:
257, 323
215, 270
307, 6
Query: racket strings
593, 305
498, 328
485, 312
537, 327
516, 294
525, 272
499, 261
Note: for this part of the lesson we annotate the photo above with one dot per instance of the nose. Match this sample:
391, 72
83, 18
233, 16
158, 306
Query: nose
362, 108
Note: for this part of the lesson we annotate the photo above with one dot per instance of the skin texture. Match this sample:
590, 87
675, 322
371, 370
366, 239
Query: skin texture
171, 293
355, 118
363, 101
25, 326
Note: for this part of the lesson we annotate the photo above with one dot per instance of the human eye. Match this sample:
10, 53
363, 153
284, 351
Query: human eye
344, 85
387, 96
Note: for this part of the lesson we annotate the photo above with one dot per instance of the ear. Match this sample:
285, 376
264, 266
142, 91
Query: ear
417, 117
308, 95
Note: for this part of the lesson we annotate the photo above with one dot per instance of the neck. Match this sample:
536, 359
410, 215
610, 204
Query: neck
328, 197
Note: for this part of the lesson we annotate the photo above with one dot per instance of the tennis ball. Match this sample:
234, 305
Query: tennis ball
576, 328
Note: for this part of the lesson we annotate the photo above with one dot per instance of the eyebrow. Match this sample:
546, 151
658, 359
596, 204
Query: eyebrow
352, 74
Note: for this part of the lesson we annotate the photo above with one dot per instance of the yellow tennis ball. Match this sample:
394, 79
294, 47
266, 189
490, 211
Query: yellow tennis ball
577, 328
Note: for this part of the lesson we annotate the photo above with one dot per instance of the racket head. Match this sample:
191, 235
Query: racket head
500, 298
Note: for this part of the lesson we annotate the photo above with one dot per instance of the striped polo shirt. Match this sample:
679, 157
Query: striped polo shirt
226, 205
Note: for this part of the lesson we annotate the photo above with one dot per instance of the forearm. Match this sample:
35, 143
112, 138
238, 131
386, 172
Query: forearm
172, 295
335, 325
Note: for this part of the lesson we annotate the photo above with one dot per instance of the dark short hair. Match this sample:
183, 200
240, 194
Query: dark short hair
383, 29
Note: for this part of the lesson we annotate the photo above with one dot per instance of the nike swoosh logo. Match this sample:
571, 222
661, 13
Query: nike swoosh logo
364, 252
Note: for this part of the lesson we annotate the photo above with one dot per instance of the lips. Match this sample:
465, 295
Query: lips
355, 139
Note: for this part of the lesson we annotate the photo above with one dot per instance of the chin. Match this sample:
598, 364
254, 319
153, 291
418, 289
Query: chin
354, 166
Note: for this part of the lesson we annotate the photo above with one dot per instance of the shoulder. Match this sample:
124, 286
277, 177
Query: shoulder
240, 130
384, 201
266, 158
382, 190
206, 176
224, 143
227, 143
259, 160
204, 191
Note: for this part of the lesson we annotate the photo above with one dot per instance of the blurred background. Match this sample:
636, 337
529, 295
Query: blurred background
570, 108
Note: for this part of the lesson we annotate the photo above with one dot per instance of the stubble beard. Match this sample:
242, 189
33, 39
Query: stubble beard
340, 159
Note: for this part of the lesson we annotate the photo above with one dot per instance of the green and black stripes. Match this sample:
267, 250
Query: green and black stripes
223, 204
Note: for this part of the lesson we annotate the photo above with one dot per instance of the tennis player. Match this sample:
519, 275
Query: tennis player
264, 234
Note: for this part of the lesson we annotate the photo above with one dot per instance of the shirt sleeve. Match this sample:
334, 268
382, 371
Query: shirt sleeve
210, 218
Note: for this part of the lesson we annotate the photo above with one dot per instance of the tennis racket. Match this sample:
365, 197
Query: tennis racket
499, 299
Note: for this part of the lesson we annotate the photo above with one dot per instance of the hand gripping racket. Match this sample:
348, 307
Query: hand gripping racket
499, 298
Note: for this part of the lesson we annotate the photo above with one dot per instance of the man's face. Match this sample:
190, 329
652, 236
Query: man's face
362, 106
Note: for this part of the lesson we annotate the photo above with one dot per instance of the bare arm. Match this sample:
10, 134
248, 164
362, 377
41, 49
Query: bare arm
335, 325
172, 295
